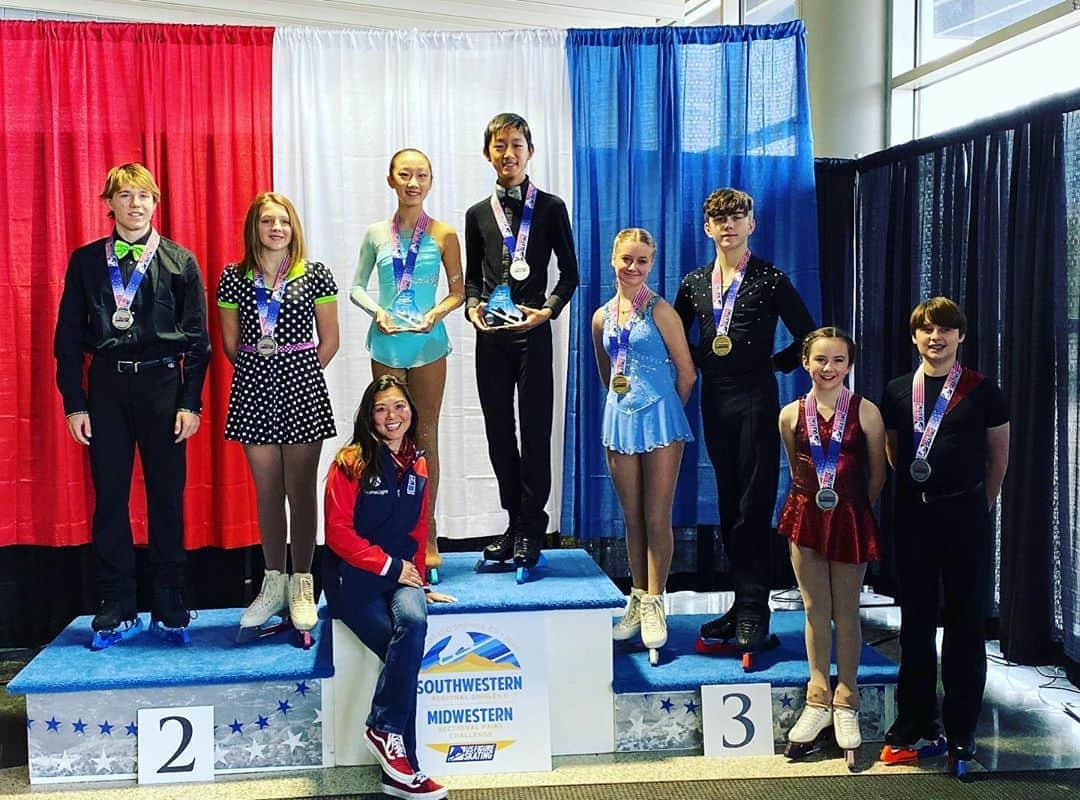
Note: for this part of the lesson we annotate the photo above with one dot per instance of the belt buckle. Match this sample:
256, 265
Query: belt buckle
127, 366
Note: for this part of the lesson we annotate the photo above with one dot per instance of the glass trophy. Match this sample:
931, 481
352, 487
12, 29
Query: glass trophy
500, 309
404, 311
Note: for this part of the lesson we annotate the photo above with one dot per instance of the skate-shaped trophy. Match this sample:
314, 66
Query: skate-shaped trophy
500, 309
403, 309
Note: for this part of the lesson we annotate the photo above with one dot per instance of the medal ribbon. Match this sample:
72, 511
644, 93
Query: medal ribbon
619, 341
124, 295
269, 308
926, 432
723, 307
515, 247
405, 266
825, 460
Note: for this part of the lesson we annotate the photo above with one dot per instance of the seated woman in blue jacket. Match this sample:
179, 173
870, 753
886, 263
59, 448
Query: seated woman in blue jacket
376, 533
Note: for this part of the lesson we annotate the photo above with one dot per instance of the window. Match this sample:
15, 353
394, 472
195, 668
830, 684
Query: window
957, 61
768, 12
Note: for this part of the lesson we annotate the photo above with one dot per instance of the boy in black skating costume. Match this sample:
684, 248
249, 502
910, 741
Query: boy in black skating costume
736, 301
509, 240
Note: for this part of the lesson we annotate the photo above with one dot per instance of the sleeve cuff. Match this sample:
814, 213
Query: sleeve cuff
386, 568
472, 302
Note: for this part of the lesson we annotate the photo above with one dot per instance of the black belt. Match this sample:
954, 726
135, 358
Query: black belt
135, 367
939, 497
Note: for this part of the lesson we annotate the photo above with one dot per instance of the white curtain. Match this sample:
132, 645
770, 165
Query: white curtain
344, 102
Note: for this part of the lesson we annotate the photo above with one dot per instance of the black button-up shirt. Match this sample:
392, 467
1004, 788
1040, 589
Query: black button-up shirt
487, 261
170, 319
765, 296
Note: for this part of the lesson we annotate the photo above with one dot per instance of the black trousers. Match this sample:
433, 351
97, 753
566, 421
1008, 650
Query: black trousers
739, 419
947, 543
521, 361
129, 410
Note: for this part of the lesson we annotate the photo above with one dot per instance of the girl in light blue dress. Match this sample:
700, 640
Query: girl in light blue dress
645, 362
407, 338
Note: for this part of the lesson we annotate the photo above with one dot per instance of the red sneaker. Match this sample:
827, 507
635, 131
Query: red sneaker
421, 788
389, 749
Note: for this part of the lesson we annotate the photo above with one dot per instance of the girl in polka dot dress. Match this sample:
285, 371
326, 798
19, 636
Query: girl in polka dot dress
271, 303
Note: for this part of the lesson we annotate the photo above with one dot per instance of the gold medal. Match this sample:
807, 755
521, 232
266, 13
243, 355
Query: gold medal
722, 345
620, 384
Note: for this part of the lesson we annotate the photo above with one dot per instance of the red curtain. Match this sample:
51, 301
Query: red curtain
193, 104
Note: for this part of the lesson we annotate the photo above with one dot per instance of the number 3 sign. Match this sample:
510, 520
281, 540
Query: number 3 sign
737, 719
176, 744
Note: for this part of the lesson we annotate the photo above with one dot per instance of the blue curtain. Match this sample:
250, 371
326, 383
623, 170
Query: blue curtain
662, 116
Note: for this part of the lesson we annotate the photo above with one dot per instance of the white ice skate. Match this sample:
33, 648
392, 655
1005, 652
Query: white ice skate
846, 729
630, 625
653, 625
302, 605
272, 601
806, 734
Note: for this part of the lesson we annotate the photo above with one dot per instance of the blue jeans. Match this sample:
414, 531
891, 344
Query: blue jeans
393, 625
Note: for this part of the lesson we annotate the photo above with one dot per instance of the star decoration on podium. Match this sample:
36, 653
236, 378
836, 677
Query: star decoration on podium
667, 705
79, 726
691, 707
237, 726
106, 728
786, 700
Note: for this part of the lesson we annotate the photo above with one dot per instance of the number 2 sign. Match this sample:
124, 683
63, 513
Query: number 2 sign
176, 744
737, 719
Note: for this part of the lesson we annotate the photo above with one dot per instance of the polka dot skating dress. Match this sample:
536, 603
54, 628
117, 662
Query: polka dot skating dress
279, 399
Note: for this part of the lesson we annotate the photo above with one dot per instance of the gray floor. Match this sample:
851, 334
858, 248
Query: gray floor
1024, 723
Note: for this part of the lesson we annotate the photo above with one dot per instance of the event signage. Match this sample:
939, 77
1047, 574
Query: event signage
482, 695
736, 719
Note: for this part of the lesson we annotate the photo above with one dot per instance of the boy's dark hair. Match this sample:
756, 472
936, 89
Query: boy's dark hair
507, 120
938, 311
725, 202
829, 332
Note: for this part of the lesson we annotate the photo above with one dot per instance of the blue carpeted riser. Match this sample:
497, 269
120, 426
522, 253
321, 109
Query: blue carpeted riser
212, 657
682, 669
568, 579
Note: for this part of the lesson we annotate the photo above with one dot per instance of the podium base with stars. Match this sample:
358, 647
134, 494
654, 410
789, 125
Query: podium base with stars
272, 701
512, 675
659, 708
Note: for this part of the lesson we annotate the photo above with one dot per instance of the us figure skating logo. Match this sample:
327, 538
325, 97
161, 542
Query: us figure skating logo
470, 681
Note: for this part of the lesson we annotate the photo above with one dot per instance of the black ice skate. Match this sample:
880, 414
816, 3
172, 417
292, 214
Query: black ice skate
960, 755
527, 555
169, 616
113, 624
498, 556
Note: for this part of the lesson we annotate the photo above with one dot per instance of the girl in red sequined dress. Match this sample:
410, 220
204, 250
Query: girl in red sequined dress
835, 443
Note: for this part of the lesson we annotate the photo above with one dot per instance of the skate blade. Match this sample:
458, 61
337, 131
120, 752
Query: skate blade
713, 647
256, 632
179, 636
492, 566
106, 639
523, 573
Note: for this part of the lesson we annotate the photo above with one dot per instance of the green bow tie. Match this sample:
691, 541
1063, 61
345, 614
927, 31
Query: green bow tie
123, 248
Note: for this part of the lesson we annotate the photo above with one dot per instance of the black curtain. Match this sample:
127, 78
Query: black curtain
834, 179
979, 215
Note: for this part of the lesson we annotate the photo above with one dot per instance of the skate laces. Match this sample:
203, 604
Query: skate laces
846, 720
812, 720
305, 587
632, 616
651, 611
